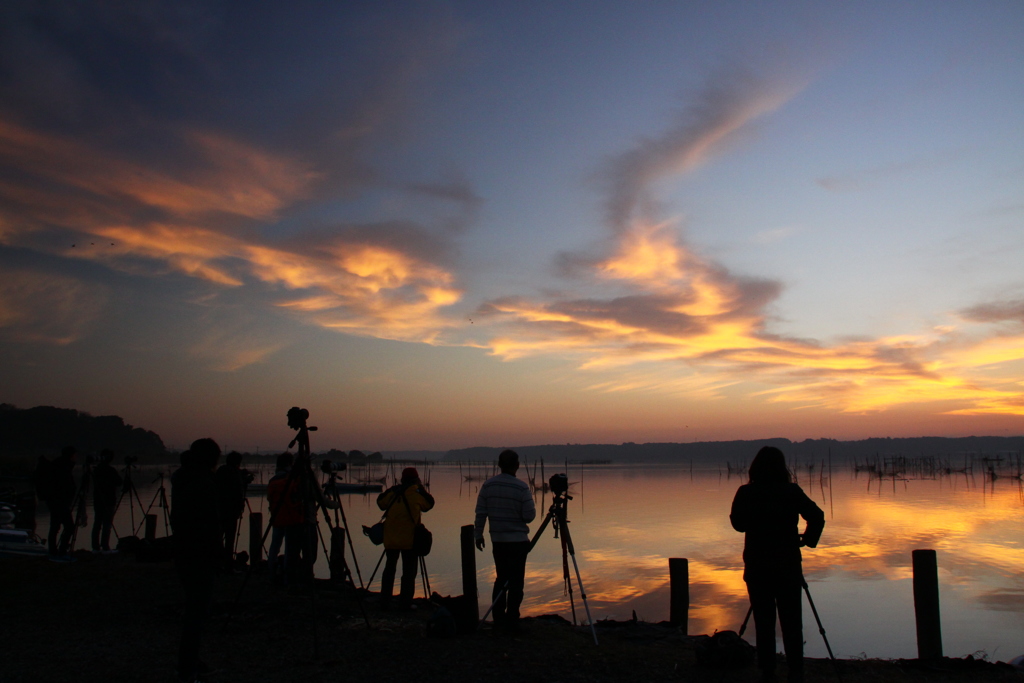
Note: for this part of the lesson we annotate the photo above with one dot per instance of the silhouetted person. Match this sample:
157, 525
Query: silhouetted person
231, 502
302, 499
279, 522
60, 496
768, 510
106, 483
404, 504
198, 547
507, 502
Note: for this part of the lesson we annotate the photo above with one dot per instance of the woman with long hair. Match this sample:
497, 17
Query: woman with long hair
767, 510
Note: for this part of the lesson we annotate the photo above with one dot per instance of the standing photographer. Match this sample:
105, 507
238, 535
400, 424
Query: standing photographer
231, 501
60, 494
768, 510
403, 504
198, 547
507, 502
106, 482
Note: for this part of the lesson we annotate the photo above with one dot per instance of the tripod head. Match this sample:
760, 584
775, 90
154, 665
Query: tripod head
297, 418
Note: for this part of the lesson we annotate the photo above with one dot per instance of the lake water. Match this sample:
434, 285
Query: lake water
627, 521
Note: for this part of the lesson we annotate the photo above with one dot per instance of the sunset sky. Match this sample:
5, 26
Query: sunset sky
448, 224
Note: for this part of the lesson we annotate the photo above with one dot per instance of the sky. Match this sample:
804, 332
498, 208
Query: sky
448, 224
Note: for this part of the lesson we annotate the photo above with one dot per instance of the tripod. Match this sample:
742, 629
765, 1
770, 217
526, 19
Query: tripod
128, 489
161, 495
302, 481
80, 504
559, 485
343, 524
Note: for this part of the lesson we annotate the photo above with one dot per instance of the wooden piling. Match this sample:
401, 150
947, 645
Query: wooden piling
255, 538
150, 527
469, 570
926, 604
679, 592
337, 559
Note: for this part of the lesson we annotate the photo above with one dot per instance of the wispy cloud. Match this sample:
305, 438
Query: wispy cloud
46, 308
648, 301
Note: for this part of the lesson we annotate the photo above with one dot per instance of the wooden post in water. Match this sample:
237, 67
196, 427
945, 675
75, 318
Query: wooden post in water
255, 538
150, 527
337, 560
469, 570
926, 604
679, 592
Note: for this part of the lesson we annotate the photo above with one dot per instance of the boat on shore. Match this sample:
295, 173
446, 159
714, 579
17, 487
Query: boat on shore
21, 543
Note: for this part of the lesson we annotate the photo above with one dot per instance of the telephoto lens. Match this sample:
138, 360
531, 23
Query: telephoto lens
329, 467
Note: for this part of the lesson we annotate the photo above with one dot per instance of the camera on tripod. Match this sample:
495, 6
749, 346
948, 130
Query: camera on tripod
558, 483
131, 459
329, 467
247, 476
91, 459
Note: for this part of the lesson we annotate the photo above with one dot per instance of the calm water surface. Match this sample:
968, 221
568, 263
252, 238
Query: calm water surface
627, 521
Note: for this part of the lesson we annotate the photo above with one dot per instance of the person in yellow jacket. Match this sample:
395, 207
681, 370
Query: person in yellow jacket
402, 517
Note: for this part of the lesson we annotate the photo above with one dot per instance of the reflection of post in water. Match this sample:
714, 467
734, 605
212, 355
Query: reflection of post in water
559, 486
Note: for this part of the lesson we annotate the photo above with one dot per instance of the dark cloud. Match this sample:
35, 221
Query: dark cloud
996, 312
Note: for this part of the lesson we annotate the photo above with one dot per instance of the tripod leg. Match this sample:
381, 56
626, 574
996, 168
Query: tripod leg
502, 592
348, 535
572, 553
370, 582
746, 620
567, 580
424, 578
821, 629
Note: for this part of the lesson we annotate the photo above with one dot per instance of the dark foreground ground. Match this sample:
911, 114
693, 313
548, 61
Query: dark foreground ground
110, 618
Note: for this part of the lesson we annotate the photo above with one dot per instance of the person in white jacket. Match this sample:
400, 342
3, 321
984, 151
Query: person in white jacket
507, 502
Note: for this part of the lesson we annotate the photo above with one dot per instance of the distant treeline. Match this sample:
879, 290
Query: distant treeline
741, 452
45, 430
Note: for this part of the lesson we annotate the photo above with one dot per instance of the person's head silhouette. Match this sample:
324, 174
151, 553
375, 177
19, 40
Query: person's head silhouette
769, 467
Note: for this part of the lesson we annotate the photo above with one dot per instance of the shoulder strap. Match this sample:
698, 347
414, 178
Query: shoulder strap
393, 500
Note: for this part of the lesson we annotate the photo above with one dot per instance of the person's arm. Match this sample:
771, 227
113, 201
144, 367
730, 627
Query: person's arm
740, 513
529, 509
384, 498
428, 500
481, 518
815, 519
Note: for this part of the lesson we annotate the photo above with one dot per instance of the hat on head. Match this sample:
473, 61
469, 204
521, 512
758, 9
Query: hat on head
410, 475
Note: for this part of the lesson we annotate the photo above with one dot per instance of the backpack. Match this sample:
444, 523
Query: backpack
42, 478
725, 649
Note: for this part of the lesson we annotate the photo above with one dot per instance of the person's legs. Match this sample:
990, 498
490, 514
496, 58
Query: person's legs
762, 599
410, 562
197, 583
276, 538
499, 594
56, 519
230, 527
293, 548
387, 577
97, 524
516, 578
108, 525
787, 597
68, 522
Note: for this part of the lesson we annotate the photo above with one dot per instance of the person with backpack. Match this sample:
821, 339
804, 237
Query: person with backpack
58, 490
767, 510
403, 505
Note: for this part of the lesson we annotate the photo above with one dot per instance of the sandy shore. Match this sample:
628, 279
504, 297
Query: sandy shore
111, 618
